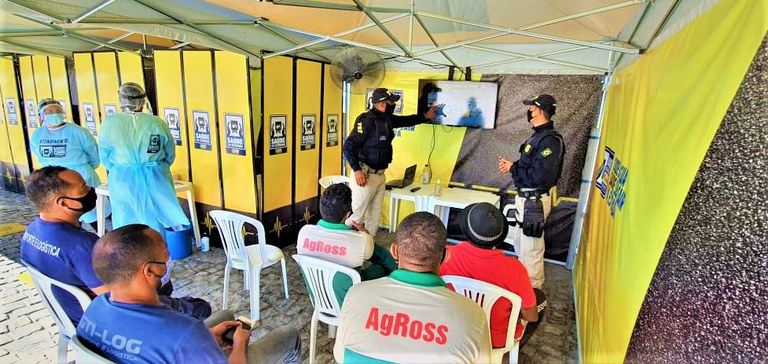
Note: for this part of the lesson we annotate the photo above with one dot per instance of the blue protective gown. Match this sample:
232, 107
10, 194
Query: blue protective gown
73, 147
138, 150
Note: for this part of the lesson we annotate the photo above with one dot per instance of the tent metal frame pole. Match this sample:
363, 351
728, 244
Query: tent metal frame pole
113, 40
333, 6
410, 26
335, 39
327, 38
546, 54
180, 45
434, 41
287, 38
384, 29
655, 31
583, 14
35, 49
533, 58
93, 10
197, 28
525, 33
74, 34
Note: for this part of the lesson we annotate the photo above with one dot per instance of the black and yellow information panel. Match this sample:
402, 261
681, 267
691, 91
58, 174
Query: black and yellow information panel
332, 135
15, 165
278, 148
29, 103
107, 83
170, 107
236, 148
306, 138
201, 126
130, 67
87, 95
60, 84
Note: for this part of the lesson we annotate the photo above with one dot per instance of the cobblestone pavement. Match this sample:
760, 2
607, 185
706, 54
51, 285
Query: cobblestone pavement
29, 335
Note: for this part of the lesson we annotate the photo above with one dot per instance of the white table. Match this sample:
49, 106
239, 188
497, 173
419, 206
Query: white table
181, 186
458, 198
419, 198
425, 200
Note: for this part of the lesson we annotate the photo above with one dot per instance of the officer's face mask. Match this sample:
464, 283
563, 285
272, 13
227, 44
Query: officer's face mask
390, 109
55, 120
88, 201
530, 115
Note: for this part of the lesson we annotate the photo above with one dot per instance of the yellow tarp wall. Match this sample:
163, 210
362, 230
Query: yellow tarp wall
412, 147
238, 180
661, 114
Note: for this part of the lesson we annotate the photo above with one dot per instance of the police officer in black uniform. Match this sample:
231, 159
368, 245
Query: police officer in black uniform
534, 174
368, 150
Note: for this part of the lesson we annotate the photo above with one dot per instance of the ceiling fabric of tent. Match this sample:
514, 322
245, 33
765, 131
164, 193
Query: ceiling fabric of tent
492, 36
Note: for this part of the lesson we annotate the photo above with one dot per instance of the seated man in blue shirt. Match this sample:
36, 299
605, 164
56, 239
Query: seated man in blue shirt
131, 324
57, 246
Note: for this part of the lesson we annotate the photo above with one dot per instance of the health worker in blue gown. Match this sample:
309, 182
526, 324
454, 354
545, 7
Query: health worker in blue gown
137, 149
58, 142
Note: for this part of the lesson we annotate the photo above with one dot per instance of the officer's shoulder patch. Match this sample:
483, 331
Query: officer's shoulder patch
528, 148
360, 127
546, 152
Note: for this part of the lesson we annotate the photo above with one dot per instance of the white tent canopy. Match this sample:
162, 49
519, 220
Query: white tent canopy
491, 36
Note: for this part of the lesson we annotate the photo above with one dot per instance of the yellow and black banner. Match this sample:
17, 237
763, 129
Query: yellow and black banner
332, 127
14, 165
661, 114
306, 131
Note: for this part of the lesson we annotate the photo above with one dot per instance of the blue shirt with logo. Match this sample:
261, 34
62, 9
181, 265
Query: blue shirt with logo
135, 333
62, 252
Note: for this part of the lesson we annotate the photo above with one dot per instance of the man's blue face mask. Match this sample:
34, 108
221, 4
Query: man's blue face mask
55, 119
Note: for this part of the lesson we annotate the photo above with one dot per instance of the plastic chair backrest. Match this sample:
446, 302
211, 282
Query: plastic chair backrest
319, 275
232, 233
44, 285
326, 181
83, 354
346, 247
486, 295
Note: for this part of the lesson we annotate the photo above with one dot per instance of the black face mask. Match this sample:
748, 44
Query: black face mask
390, 109
530, 115
88, 201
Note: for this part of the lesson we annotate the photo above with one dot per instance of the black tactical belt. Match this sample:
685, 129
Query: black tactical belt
529, 194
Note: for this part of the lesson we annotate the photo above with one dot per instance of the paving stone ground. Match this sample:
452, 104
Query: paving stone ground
29, 335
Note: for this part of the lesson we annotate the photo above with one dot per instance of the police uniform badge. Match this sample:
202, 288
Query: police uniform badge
546, 152
528, 148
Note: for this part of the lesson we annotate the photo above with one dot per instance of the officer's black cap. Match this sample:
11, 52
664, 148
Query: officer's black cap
544, 102
483, 224
381, 94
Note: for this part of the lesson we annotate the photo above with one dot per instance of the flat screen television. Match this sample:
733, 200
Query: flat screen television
464, 103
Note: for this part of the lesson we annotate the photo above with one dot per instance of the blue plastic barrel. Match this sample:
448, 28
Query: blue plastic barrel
179, 242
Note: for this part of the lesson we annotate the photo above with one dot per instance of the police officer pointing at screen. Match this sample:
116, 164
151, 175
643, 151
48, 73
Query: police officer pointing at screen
368, 150
534, 174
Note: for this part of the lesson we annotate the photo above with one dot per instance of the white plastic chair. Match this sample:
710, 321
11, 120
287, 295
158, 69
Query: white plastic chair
486, 295
318, 275
326, 181
84, 355
67, 329
513, 233
250, 259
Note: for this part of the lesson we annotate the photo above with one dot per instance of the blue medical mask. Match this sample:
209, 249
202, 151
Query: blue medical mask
55, 119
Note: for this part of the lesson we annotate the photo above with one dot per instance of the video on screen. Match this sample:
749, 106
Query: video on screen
463, 103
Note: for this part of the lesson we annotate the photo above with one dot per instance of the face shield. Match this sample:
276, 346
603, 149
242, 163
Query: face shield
133, 98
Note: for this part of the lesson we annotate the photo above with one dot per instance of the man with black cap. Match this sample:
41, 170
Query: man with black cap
534, 174
368, 150
485, 227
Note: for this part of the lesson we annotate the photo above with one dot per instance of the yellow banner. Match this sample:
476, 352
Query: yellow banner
332, 121
29, 104
204, 146
661, 114
278, 126
131, 69
60, 84
12, 110
170, 101
308, 76
235, 132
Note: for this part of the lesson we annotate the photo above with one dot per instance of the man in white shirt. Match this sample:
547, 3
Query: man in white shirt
412, 316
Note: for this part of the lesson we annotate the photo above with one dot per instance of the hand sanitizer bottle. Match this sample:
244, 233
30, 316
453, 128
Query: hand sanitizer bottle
426, 176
